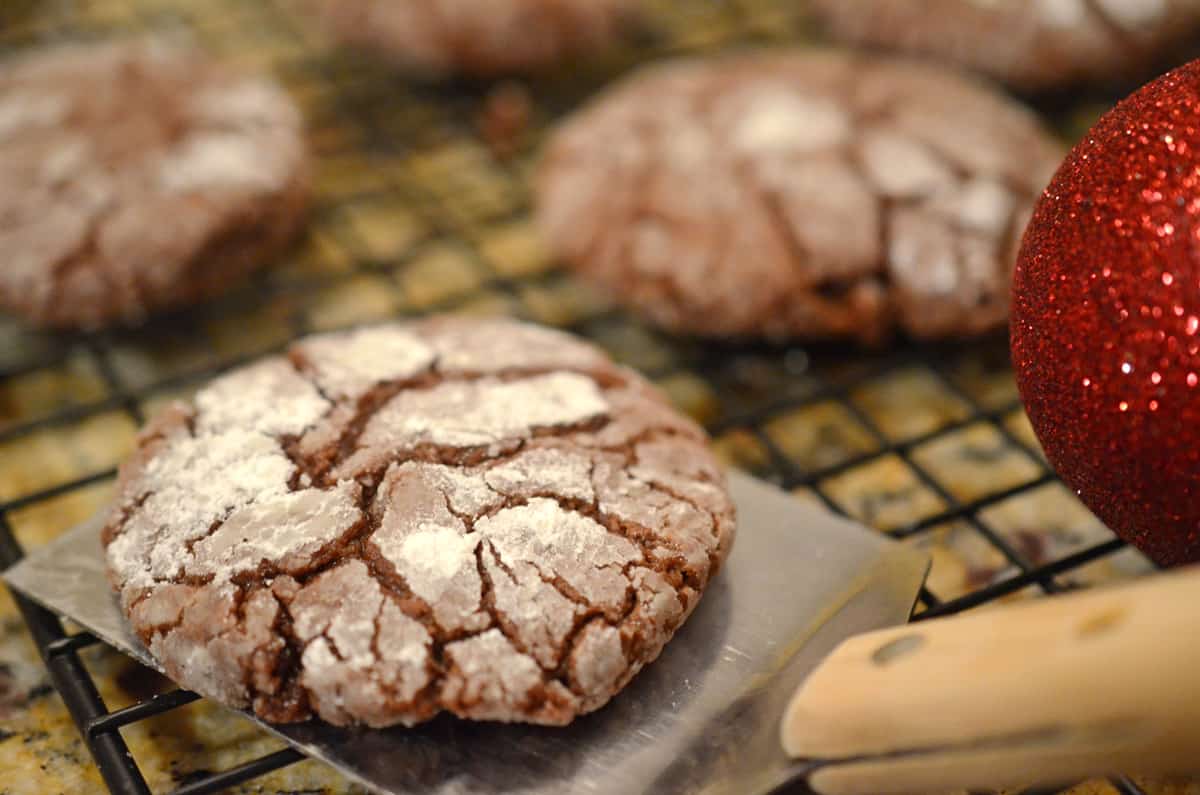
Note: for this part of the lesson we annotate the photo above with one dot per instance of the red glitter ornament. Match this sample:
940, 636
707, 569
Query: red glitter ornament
1106, 318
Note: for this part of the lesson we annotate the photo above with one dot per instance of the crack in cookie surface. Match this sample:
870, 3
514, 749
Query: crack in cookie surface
481, 517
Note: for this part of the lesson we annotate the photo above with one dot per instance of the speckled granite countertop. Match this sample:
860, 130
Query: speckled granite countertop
414, 213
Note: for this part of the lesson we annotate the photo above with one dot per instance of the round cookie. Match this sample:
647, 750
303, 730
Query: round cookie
481, 38
1027, 43
139, 176
798, 194
481, 517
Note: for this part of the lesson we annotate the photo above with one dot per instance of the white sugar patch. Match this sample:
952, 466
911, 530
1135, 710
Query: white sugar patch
320, 603
686, 529
285, 530
357, 640
562, 542
981, 205
1133, 13
350, 363
428, 545
202, 665
922, 254
783, 121
193, 482
434, 558
598, 660
1057, 13
403, 640
492, 346
21, 110
490, 664
900, 167
484, 412
541, 616
221, 159
351, 632
544, 471
411, 499
439, 566
249, 102
319, 666
466, 493
269, 397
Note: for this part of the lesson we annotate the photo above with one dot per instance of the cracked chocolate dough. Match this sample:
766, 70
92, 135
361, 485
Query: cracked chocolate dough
481, 38
139, 176
1031, 44
798, 194
481, 517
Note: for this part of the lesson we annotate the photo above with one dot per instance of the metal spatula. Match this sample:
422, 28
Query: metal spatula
706, 716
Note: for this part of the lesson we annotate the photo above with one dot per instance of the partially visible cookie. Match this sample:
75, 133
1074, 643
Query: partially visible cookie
481, 517
798, 194
1027, 43
476, 37
137, 177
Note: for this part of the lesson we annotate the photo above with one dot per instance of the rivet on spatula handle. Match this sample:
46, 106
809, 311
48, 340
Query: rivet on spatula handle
1047, 691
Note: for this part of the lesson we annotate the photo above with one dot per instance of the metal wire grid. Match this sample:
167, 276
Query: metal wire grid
350, 98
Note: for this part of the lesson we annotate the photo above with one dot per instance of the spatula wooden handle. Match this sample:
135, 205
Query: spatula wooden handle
1050, 691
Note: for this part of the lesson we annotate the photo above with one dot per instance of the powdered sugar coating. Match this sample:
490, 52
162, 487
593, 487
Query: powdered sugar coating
194, 482
489, 675
353, 660
477, 37
545, 470
496, 346
493, 520
562, 543
1028, 43
99, 143
798, 194
423, 536
269, 397
347, 364
483, 413
289, 531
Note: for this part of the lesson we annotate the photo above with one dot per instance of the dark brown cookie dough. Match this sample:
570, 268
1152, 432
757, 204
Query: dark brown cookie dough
137, 177
476, 37
1027, 43
798, 194
481, 517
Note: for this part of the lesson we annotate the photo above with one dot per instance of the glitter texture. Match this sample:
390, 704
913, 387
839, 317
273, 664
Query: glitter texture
1104, 326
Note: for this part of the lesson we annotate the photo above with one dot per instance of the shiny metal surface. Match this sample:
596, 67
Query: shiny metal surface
703, 718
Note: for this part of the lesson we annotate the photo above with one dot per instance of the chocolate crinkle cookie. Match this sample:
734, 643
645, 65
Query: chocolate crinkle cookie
479, 38
139, 176
798, 194
1030, 44
481, 517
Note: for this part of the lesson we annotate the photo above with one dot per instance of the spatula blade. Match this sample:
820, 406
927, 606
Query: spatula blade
703, 718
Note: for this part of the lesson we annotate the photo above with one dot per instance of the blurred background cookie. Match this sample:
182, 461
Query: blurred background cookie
798, 194
136, 177
476, 37
1026, 43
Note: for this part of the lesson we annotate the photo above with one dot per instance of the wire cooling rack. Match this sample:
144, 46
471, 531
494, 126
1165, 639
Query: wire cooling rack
416, 213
